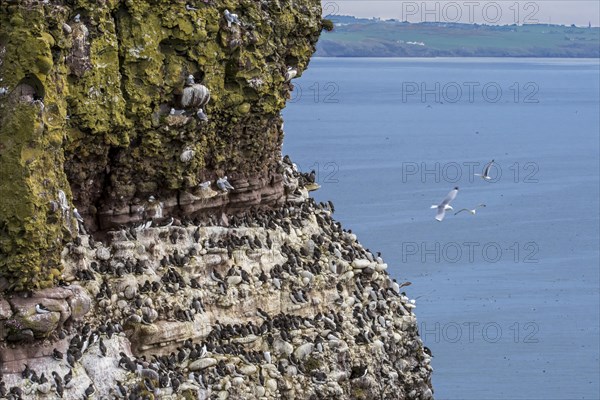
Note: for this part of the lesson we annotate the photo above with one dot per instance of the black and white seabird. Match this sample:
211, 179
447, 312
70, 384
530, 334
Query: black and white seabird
57, 355
90, 390
40, 309
290, 74
358, 372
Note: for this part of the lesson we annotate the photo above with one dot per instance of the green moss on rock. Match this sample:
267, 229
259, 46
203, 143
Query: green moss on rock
107, 84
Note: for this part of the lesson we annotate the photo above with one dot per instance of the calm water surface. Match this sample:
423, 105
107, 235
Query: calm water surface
508, 299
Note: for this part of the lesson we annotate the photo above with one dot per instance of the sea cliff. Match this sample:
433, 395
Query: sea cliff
153, 242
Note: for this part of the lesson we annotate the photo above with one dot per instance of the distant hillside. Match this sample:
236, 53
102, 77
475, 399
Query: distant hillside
353, 37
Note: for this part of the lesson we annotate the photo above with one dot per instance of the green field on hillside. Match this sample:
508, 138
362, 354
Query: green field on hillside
370, 38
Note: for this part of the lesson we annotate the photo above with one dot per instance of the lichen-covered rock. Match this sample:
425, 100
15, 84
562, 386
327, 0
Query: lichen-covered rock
5, 310
79, 302
90, 86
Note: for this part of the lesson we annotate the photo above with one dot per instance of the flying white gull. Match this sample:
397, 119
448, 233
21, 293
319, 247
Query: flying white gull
472, 211
486, 172
445, 204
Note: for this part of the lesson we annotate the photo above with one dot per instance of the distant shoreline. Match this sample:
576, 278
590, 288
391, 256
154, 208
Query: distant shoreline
354, 37
461, 57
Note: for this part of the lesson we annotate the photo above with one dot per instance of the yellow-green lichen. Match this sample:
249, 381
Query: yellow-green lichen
107, 83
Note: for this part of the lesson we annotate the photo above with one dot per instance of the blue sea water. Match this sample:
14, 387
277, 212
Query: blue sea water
508, 300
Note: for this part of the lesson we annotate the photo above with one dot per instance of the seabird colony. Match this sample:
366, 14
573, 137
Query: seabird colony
275, 263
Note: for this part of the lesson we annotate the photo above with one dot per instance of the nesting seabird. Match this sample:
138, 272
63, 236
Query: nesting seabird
68, 376
445, 204
224, 185
77, 18
190, 8
176, 112
79, 219
57, 355
201, 115
60, 390
3, 91
473, 211
290, 74
205, 185
121, 389
90, 390
486, 172
194, 95
186, 155
231, 18
62, 200
154, 208
77, 216
102, 348
40, 309
358, 372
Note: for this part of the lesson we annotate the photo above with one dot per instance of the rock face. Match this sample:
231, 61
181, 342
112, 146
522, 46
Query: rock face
89, 88
275, 303
128, 267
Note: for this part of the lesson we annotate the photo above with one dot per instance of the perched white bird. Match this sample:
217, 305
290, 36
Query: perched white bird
40, 309
290, 74
62, 200
201, 115
187, 155
472, 211
77, 216
223, 184
190, 8
486, 172
3, 91
231, 18
153, 208
205, 185
445, 204
203, 351
176, 112
79, 219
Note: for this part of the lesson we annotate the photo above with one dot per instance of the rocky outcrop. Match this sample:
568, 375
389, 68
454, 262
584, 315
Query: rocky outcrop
269, 304
85, 108
153, 242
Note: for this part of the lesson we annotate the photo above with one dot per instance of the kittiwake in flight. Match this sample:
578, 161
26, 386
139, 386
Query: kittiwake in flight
472, 210
486, 172
445, 204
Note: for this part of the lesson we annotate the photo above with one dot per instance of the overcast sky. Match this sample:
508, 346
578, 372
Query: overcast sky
579, 12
